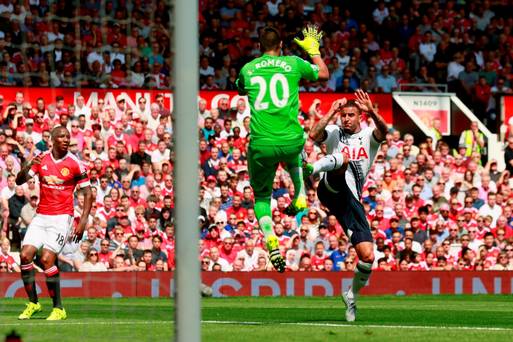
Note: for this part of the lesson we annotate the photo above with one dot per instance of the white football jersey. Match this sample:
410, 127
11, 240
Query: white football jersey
362, 148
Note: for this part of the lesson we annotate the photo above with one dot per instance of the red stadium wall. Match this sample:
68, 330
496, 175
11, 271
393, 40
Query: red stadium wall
151, 284
109, 95
507, 108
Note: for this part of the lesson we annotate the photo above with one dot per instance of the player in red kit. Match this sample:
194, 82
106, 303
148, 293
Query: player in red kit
59, 173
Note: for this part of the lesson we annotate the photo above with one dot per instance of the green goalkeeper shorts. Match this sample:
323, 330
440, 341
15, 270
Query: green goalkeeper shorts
263, 161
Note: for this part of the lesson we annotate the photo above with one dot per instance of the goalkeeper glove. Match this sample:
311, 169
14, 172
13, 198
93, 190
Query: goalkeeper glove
311, 40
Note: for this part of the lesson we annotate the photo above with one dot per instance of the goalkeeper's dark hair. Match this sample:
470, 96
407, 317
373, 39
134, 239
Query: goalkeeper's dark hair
269, 39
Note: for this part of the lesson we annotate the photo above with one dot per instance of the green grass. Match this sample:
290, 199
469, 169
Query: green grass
383, 318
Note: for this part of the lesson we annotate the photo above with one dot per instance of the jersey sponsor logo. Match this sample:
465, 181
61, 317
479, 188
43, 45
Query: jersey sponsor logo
355, 153
53, 180
44, 167
54, 187
65, 172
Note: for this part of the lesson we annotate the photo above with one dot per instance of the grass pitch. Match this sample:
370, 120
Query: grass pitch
384, 318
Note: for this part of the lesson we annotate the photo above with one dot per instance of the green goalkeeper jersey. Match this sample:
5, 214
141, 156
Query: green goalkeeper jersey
272, 86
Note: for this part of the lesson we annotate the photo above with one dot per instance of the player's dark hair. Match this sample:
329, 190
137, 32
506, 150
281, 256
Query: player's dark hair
352, 103
269, 39
56, 131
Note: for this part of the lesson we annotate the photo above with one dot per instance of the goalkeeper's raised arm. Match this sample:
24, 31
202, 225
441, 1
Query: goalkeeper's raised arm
310, 43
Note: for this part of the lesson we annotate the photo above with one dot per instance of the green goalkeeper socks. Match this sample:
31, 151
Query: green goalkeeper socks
263, 214
296, 173
266, 224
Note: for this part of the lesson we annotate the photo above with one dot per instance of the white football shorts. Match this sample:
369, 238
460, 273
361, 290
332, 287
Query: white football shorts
49, 231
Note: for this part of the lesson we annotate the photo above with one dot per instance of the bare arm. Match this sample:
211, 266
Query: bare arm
380, 132
6, 112
318, 132
23, 176
11, 141
77, 264
26, 218
488, 165
364, 102
133, 168
14, 122
16, 268
84, 217
66, 260
324, 73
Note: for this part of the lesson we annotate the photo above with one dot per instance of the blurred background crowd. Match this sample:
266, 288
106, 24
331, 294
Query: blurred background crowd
431, 206
379, 46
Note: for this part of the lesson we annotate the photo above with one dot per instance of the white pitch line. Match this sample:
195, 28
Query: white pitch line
342, 325
306, 324
37, 322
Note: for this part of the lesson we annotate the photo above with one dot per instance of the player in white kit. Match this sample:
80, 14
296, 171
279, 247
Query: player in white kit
59, 173
350, 153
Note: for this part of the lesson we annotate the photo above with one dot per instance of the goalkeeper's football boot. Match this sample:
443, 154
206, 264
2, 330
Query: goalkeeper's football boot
57, 314
350, 307
30, 310
273, 246
297, 206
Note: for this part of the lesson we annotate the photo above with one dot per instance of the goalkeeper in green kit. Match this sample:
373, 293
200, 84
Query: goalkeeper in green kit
272, 85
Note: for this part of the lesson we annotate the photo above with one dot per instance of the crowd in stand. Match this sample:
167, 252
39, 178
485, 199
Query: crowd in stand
431, 207
466, 45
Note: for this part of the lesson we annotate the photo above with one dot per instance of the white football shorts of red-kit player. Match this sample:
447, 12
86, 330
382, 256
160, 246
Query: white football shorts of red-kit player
58, 179
49, 231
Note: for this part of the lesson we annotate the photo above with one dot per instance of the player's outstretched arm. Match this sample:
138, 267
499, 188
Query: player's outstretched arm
311, 43
318, 132
365, 104
23, 176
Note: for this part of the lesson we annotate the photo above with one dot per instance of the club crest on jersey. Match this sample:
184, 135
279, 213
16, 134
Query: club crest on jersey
355, 153
64, 171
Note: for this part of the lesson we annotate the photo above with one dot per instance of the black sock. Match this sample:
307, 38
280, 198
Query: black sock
54, 285
28, 275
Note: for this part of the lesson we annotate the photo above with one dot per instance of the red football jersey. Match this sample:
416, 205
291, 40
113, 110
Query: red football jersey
58, 179
9, 260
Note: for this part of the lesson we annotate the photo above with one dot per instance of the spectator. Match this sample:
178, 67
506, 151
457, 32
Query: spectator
7, 261
490, 208
472, 139
92, 263
385, 81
